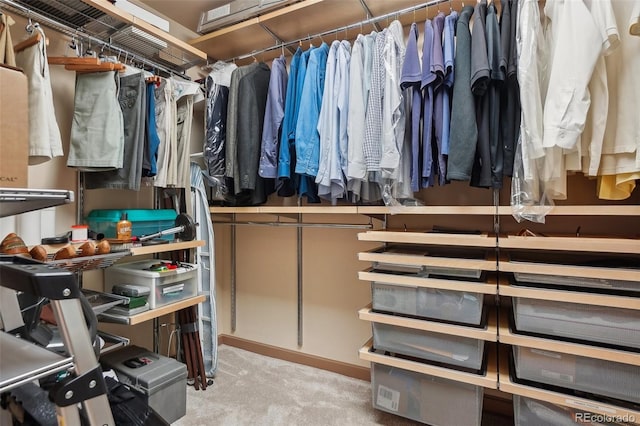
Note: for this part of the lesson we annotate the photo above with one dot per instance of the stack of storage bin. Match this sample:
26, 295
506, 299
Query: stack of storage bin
575, 334
434, 328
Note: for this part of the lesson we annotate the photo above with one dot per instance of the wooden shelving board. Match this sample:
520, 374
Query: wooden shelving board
489, 333
596, 299
580, 244
163, 248
164, 310
490, 287
434, 238
570, 270
414, 260
507, 336
488, 380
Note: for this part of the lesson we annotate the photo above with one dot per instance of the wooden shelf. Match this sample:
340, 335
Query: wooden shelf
506, 335
475, 210
489, 333
581, 244
595, 299
507, 385
488, 380
442, 239
158, 312
569, 270
376, 255
162, 248
490, 287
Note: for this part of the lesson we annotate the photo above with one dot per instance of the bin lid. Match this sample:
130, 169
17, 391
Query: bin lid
144, 369
134, 215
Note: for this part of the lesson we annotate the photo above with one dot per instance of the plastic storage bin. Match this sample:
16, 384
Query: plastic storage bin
423, 398
143, 221
166, 286
162, 379
613, 326
443, 305
532, 412
444, 348
600, 377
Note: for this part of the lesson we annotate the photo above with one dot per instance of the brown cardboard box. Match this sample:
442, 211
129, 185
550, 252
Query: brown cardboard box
14, 128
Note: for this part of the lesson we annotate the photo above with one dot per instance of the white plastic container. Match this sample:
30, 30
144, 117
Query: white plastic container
166, 286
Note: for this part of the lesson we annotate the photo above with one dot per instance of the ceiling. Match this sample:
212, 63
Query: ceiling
184, 12
300, 19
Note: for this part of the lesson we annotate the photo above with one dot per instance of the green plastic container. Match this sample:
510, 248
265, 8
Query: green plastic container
143, 221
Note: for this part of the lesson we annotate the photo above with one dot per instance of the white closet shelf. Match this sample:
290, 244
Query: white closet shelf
506, 335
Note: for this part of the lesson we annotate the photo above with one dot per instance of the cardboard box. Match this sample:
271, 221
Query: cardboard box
14, 128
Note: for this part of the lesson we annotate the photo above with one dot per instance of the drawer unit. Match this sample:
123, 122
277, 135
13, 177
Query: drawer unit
600, 377
428, 399
438, 304
602, 324
533, 412
444, 348
167, 286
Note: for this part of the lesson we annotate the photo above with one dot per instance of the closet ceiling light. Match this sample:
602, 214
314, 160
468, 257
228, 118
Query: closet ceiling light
143, 14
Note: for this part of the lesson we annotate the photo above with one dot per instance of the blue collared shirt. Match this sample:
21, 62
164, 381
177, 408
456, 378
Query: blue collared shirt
290, 115
307, 136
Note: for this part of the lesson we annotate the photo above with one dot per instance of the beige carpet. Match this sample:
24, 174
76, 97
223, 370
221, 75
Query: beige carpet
252, 389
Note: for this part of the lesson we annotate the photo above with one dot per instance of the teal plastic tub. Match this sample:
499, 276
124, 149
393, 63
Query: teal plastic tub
143, 221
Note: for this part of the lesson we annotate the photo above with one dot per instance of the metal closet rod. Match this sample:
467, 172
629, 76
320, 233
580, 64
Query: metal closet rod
299, 224
77, 33
344, 28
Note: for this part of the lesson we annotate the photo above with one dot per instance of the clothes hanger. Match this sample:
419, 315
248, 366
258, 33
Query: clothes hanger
30, 41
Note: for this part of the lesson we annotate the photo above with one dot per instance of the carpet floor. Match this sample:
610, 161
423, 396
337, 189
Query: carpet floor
251, 389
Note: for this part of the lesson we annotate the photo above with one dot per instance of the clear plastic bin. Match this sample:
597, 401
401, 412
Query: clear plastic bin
613, 326
596, 376
438, 347
423, 398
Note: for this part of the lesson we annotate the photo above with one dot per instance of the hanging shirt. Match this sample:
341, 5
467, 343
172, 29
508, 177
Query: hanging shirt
359, 88
44, 135
333, 122
437, 69
495, 58
427, 84
411, 79
480, 81
448, 46
217, 97
510, 92
286, 152
392, 106
253, 89
152, 141
373, 128
166, 113
463, 133
307, 136
273, 116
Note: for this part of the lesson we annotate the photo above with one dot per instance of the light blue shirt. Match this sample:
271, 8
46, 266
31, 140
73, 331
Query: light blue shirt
332, 124
273, 116
307, 136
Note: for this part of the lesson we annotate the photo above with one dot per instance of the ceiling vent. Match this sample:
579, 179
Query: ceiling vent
235, 11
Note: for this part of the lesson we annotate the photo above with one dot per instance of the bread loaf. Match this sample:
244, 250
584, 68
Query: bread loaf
103, 247
38, 253
66, 252
87, 249
13, 244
